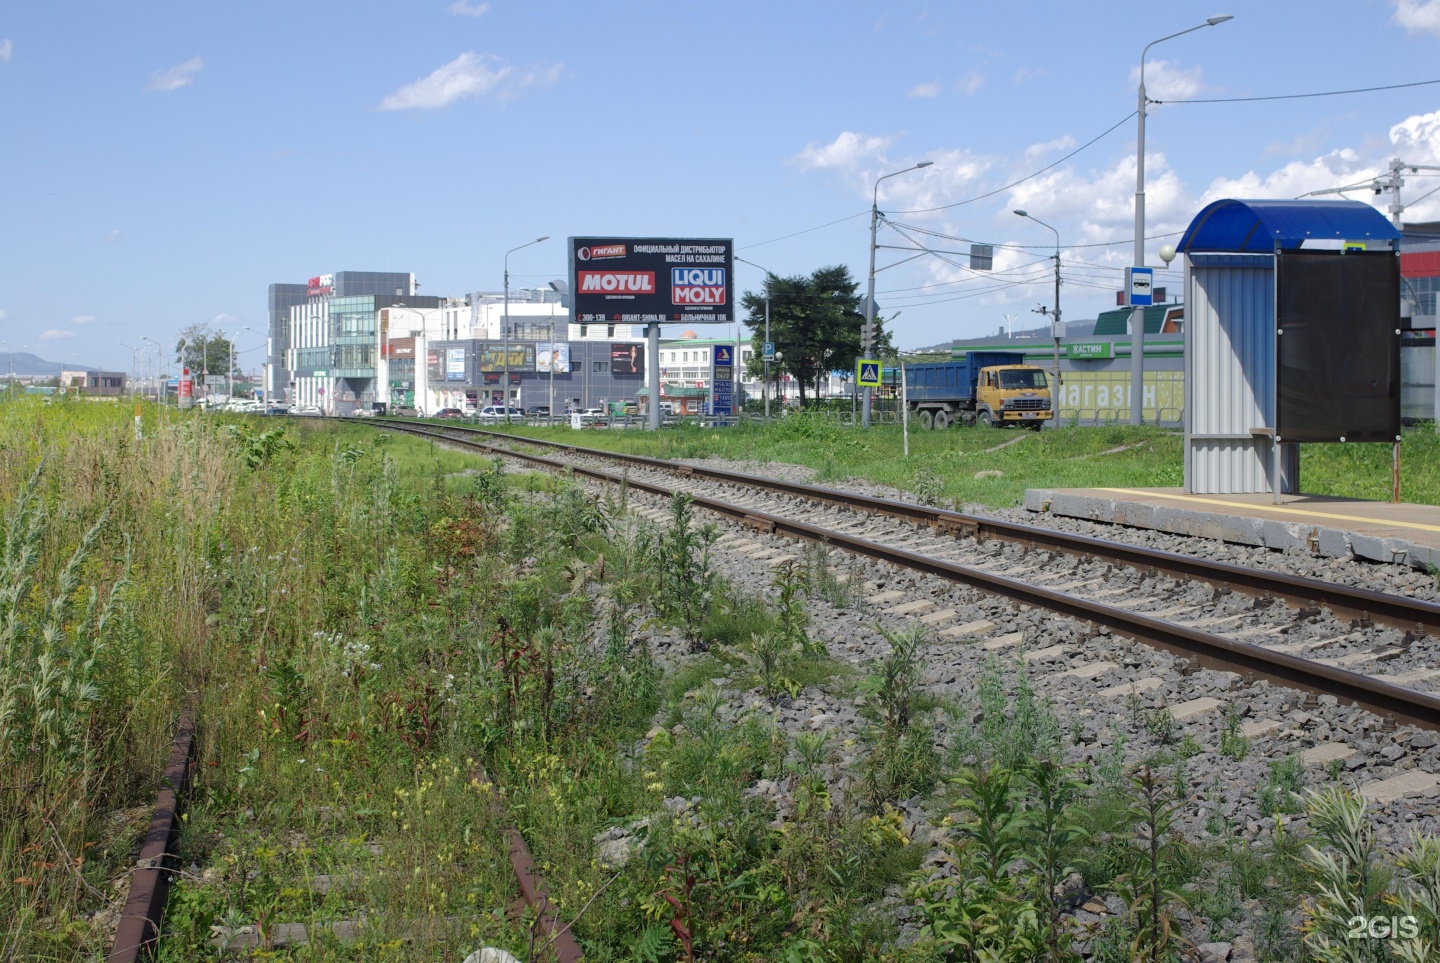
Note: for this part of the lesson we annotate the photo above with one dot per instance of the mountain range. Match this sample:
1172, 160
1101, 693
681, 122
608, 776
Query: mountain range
27, 365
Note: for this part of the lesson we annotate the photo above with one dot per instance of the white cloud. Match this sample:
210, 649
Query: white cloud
470, 76
3, 314
844, 153
181, 75
56, 334
970, 83
5, 50
1028, 73
1060, 143
84, 319
929, 89
1418, 16
1165, 81
462, 9
114, 234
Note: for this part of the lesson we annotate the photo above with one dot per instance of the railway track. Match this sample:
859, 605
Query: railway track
1358, 646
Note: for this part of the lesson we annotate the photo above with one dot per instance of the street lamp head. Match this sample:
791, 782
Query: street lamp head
1215, 21
924, 164
1023, 213
545, 238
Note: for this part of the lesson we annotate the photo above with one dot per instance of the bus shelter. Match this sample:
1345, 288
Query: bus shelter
1292, 335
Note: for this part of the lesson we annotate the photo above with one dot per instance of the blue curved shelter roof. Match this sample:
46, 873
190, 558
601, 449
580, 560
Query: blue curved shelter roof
1261, 226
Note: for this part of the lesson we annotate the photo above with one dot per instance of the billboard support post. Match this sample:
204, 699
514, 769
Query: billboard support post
652, 348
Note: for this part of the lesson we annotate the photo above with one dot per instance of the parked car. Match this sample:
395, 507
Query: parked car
404, 411
538, 411
449, 413
492, 414
277, 410
307, 411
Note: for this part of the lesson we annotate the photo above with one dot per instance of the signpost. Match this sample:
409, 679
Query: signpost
867, 373
1139, 294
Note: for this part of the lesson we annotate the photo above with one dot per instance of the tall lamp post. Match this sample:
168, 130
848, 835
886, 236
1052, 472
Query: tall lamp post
766, 385
159, 359
506, 375
1054, 317
1137, 314
869, 336
134, 353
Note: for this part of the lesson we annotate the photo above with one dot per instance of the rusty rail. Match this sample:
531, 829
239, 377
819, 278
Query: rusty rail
1363, 605
150, 884
1206, 649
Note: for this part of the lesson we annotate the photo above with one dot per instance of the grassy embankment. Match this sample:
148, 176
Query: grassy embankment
944, 464
361, 623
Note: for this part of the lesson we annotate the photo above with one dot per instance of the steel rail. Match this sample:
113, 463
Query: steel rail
1345, 602
1206, 649
139, 927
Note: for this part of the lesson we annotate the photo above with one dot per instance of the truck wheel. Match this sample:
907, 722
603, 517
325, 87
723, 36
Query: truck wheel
927, 420
986, 419
942, 420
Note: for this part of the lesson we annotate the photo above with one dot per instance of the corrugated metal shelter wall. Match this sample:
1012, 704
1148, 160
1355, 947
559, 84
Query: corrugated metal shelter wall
1229, 373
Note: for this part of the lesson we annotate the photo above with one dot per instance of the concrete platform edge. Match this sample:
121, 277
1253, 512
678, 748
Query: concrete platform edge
1282, 536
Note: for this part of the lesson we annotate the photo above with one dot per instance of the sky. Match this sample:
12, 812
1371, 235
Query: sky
162, 163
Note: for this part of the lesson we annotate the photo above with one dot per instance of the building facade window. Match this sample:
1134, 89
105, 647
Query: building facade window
600, 367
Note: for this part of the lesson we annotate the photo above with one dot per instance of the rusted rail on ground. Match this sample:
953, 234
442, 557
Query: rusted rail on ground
1205, 649
547, 926
150, 884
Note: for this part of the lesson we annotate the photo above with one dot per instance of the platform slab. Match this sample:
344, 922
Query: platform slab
1352, 528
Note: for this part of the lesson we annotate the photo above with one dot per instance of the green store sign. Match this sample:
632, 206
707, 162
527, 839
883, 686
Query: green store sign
1090, 350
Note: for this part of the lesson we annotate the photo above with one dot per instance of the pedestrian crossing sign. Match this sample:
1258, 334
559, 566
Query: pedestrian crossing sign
867, 374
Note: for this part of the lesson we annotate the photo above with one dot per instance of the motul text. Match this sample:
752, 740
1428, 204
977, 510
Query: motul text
617, 282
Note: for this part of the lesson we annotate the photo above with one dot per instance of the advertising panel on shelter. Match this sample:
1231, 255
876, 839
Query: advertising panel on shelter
1338, 346
627, 359
634, 280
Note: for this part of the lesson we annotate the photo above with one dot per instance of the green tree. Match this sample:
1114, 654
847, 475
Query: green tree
816, 323
215, 346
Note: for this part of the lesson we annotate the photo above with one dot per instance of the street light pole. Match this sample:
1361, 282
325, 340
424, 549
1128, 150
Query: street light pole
506, 323
765, 386
1054, 318
1137, 314
869, 338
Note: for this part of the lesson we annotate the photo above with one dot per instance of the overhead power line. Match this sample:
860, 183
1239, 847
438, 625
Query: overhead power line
1000, 190
1322, 93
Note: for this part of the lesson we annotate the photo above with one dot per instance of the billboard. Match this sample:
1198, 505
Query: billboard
522, 357
650, 280
627, 359
454, 364
552, 358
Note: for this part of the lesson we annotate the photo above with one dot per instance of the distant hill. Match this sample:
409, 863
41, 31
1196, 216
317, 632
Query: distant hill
29, 365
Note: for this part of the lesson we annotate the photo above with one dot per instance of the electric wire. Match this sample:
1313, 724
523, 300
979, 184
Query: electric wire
1000, 190
1322, 93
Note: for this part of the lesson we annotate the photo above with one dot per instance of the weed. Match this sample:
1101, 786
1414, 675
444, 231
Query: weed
686, 576
927, 485
1161, 725
1148, 889
1014, 733
1348, 879
824, 583
790, 584
1280, 793
1233, 743
891, 687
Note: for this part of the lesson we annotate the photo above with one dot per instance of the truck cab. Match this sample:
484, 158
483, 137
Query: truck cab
1013, 394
